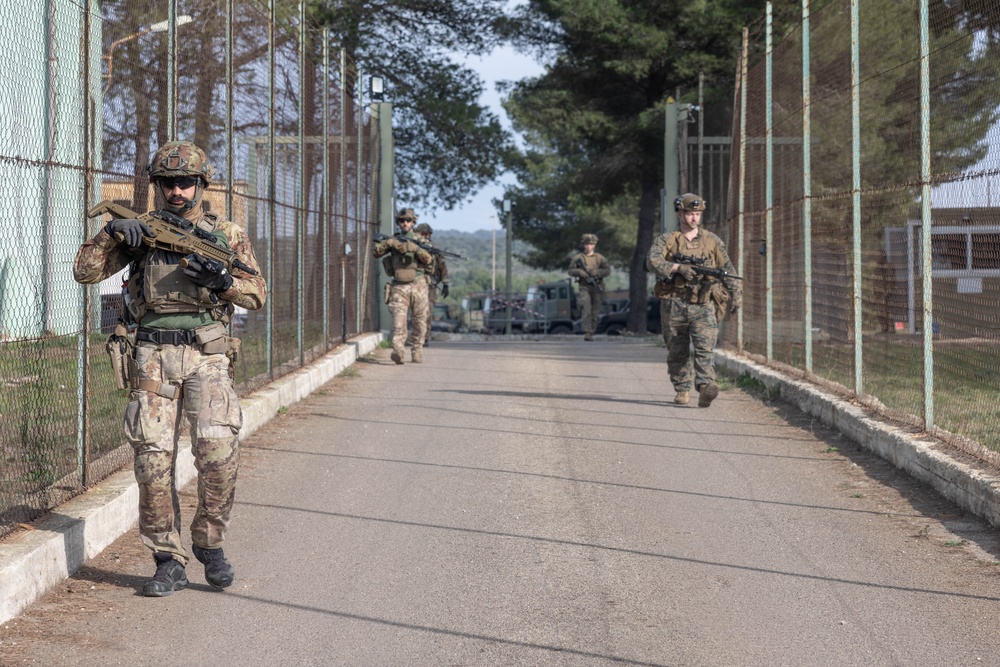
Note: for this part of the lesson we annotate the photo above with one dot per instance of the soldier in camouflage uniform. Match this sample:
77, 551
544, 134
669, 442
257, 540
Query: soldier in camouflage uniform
692, 304
439, 276
181, 362
590, 269
409, 265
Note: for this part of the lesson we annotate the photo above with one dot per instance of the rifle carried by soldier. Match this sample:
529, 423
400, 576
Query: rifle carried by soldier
378, 237
698, 264
173, 233
591, 280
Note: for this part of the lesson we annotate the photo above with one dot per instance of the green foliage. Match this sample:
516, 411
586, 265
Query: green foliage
475, 273
593, 122
447, 144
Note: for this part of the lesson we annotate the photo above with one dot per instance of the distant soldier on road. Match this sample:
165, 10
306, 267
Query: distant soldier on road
179, 307
409, 265
692, 303
590, 269
438, 276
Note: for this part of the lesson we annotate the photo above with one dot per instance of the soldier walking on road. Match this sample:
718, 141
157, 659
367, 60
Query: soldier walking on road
692, 303
181, 362
590, 269
439, 276
409, 265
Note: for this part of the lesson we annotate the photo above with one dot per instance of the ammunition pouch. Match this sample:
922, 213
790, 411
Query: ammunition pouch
405, 275
663, 289
720, 297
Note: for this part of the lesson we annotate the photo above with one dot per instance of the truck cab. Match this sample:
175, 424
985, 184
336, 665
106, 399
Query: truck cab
551, 308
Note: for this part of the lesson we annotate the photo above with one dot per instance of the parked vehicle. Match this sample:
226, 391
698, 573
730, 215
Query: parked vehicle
442, 319
614, 324
551, 308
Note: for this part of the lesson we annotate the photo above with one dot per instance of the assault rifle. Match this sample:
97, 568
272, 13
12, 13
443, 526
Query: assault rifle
698, 264
591, 280
173, 233
377, 237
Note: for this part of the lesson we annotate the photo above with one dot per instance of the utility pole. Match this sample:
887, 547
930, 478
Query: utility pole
382, 116
508, 206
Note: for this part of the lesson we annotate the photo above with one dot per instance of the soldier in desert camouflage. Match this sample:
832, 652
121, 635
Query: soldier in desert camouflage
408, 265
437, 277
181, 362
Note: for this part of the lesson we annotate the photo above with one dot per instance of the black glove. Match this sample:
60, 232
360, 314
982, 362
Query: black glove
444, 291
209, 273
128, 232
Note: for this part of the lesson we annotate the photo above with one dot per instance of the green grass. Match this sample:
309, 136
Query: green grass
966, 380
349, 372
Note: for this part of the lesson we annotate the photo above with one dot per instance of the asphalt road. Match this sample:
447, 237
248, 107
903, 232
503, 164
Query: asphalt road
546, 504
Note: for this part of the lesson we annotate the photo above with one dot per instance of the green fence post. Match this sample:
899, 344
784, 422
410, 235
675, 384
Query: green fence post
807, 186
769, 185
859, 386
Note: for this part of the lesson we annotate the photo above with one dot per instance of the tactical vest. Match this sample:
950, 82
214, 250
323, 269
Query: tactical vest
698, 291
158, 284
402, 266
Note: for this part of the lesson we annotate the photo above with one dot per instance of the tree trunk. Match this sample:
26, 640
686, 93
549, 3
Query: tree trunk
643, 240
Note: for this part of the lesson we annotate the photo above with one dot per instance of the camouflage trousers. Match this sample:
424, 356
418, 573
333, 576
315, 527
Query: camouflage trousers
687, 325
432, 297
153, 425
590, 307
404, 298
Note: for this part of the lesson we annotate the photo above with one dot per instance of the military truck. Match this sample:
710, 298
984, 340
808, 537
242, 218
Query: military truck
551, 308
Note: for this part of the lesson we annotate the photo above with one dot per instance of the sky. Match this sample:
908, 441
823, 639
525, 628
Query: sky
503, 64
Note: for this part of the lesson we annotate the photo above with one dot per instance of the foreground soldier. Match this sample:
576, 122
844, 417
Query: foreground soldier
181, 362
439, 276
408, 264
590, 269
692, 304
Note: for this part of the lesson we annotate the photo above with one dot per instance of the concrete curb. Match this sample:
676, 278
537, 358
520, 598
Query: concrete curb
976, 489
34, 561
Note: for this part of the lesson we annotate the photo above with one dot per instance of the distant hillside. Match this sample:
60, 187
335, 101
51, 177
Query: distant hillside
475, 273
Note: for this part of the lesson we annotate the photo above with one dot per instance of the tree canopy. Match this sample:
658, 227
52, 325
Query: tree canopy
593, 122
447, 144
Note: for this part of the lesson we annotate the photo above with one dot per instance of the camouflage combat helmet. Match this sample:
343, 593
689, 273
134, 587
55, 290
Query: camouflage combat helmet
424, 229
588, 238
180, 158
406, 214
689, 202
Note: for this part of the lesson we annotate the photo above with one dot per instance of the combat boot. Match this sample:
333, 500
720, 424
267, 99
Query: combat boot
397, 356
588, 336
219, 572
682, 398
417, 356
707, 394
169, 577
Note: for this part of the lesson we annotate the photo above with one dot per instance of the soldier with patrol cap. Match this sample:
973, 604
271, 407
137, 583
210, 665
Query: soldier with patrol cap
409, 265
590, 269
439, 276
181, 362
692, 304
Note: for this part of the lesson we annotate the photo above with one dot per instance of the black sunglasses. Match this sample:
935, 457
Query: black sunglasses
182, 182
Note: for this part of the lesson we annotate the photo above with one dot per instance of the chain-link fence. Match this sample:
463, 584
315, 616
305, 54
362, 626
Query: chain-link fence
860, 123
93, 87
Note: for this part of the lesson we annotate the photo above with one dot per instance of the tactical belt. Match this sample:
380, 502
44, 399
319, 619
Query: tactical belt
165, 336
165, 390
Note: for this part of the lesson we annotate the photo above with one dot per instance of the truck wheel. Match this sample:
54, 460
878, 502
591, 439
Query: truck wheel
615, 329
560, 329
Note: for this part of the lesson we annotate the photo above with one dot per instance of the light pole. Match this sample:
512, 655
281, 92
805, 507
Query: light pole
508, 206
493, 225
162, 26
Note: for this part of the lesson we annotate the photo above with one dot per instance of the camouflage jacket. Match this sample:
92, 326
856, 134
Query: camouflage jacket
424, 263
704, 244
597, 268
102, 257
